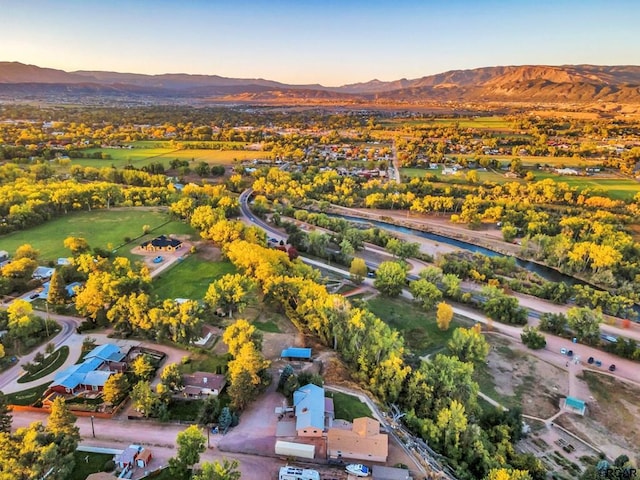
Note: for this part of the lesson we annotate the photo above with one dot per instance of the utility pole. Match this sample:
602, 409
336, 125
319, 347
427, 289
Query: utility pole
93, 431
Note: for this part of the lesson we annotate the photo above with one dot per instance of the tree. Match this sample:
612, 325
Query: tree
77, 245
287, 372
26, 251
507, 474
451, 285
142, 368
239, 333
502, 308
390, 278
115, 388
5, 415
444, 315
210, 410
57, 291
585, 322
555, 323
469, 345
144, 398
227, 470
172, 377
191, 443
426, 293
62, 424
358, 270
532, 338
230, 292
225, 419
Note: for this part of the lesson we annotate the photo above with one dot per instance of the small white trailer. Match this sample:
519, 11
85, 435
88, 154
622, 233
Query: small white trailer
295, 473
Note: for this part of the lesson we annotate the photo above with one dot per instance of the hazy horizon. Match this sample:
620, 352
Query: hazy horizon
306, 42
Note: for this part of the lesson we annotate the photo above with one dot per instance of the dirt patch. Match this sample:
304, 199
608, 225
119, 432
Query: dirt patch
521, 378
208, 251
612, 421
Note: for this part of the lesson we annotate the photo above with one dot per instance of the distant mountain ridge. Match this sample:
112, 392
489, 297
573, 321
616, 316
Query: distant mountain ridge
526, 83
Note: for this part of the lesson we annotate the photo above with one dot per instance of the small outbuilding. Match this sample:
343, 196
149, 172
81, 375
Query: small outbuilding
389, 473
294, 353
575, 405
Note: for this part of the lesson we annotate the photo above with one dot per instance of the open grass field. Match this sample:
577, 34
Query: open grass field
481, 123
189, 278
348, 407
88, 463
616, 188
101, 228
419, 328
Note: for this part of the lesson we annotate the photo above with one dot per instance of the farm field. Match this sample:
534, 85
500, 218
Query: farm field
419, 328
189, 278
145, 156
484, 123
616, 188
101, 228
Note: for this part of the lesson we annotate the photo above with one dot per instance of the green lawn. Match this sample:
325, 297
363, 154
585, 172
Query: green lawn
348, 407
186, 410
189, 278
269, 326
419, 328
28, 396
206, 363
88, 463
50, 364
101, 228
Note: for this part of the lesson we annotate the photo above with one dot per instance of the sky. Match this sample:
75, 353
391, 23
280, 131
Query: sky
330, 42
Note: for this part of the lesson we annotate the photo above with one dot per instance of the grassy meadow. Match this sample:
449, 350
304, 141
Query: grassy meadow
419, 328
101, 228
189, 278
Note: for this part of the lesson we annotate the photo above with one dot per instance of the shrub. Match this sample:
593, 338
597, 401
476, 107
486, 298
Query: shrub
532, 338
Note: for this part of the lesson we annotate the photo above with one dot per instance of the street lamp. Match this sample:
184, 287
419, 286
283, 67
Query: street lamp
93, 431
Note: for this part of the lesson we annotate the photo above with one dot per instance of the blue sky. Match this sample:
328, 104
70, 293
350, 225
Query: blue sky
316, 41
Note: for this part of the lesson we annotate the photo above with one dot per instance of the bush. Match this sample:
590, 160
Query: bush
532, 338
109, 466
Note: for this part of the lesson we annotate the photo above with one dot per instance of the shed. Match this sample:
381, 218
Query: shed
389, 473
296, 353
291, 449
143, 458
575, 405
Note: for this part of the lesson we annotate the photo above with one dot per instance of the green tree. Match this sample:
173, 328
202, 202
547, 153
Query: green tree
172, 377
210, 410
444, 315
469, 345
227, 470
5, 415
142, 368
358, 270
426, 293
242, 390
390, 278
532, 338
451, 286
225, 419
191, 443
555, 323
115, 388
144, 398
585, 322
502, 308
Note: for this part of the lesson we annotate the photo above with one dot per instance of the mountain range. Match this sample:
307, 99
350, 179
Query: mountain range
521, 84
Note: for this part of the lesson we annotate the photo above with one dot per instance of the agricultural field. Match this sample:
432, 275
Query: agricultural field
480, 123
101, 228
190, 278
617, 188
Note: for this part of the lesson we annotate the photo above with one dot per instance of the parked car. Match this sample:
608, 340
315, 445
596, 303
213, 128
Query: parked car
590, 360
612, 367
598, 363
563, 351
570, 353
158, 259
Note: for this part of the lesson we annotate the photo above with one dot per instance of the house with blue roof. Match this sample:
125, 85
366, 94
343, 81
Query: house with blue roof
90, 375
313, 411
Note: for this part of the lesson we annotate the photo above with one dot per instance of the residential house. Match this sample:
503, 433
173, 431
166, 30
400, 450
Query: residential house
202, 384
162, 244
43, 273
90, 375
313, 412
363, 442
